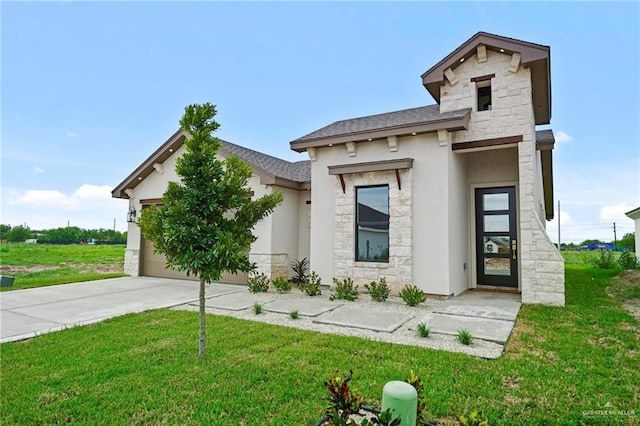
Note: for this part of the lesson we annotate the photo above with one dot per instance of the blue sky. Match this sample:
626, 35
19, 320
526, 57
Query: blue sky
89, 90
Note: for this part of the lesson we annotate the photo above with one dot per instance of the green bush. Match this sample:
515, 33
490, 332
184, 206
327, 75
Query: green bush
423, 330
412, 295
464, 336
294, 314
344, 290
257, 308
282, 285
379, 291
312, 286
603, 260
258, 283
628, 260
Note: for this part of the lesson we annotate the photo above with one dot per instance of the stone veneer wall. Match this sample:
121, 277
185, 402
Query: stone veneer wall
273, 265
398, 272
132, 262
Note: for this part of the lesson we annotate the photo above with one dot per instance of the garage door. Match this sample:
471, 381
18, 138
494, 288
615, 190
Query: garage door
154, 265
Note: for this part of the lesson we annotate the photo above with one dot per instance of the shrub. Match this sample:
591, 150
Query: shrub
258, 283
412, 295
312, 286
416, 382
628, 260
464, 336
282, 285
423, 330
343, 402
344, 290
293, 314
257, 308
603, 260
379, 291
301, 270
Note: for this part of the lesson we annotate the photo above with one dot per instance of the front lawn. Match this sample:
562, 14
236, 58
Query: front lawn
561, 365
38, 265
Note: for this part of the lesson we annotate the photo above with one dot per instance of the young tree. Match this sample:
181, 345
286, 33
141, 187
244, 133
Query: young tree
204, 226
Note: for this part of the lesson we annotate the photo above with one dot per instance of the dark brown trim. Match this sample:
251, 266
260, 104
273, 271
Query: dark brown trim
398, 179
546, 160
487, 142
483, 78
150, 201
160, 155
373, 166
450, 124
344, 187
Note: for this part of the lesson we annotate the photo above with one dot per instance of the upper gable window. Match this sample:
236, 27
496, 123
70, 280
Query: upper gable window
484, 95
483, 92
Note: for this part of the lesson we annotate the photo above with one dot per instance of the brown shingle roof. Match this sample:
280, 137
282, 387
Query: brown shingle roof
405, 117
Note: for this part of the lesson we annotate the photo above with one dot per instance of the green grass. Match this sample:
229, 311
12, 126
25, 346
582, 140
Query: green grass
54, 255
144, 369
38, 265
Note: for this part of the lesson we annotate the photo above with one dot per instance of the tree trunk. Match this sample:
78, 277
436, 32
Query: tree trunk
203, 330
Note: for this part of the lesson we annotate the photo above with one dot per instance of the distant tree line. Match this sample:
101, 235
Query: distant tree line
68, 235
626, 243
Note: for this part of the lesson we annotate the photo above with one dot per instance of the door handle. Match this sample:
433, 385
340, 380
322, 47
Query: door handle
514, 248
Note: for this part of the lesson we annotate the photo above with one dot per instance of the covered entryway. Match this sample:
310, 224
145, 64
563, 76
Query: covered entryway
155, 265
496, 237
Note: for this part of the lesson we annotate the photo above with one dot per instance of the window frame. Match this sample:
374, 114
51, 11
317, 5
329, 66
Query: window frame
357, 224
482, 85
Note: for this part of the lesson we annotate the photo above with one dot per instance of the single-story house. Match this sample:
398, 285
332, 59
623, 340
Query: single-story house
416, 196
635, 216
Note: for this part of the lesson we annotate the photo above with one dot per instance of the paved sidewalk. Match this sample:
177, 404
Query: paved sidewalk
27, 313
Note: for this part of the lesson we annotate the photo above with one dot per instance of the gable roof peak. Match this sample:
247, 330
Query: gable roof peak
532, 55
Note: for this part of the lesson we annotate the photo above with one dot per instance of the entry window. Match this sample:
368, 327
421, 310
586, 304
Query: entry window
372, 223
484, 95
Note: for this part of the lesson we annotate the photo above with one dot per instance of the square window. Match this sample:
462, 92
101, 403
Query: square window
372, 223
484, 95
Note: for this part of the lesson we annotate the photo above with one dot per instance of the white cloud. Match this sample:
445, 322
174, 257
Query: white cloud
43, 199
93, 192
38, 170
562, 137
89, 206
72, 134
615, 213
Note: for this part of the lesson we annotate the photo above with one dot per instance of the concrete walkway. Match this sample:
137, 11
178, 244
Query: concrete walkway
27, 313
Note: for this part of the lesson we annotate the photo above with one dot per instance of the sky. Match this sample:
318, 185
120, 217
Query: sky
90, 89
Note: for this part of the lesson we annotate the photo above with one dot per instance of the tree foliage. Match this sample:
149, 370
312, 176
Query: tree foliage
204, 226
65, 235
628, 242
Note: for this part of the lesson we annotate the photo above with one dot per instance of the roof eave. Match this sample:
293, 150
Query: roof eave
160, 155
450, 124
633, 214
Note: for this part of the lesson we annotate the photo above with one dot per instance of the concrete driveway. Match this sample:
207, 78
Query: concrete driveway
27, 313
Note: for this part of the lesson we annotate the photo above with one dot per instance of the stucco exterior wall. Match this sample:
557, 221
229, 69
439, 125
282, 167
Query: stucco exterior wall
417, 221
459, 227
304, 226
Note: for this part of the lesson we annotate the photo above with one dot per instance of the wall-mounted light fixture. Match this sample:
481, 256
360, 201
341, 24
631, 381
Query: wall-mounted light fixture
131, 216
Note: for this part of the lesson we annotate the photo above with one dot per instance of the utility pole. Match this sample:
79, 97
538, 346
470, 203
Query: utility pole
559, 244
114, 223
615, 238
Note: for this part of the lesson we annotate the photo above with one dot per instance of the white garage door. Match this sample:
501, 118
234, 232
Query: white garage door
154, 265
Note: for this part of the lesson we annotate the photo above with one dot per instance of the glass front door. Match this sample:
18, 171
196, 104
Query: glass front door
496, 237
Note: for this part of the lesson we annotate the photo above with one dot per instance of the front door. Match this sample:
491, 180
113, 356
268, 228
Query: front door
496, 237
